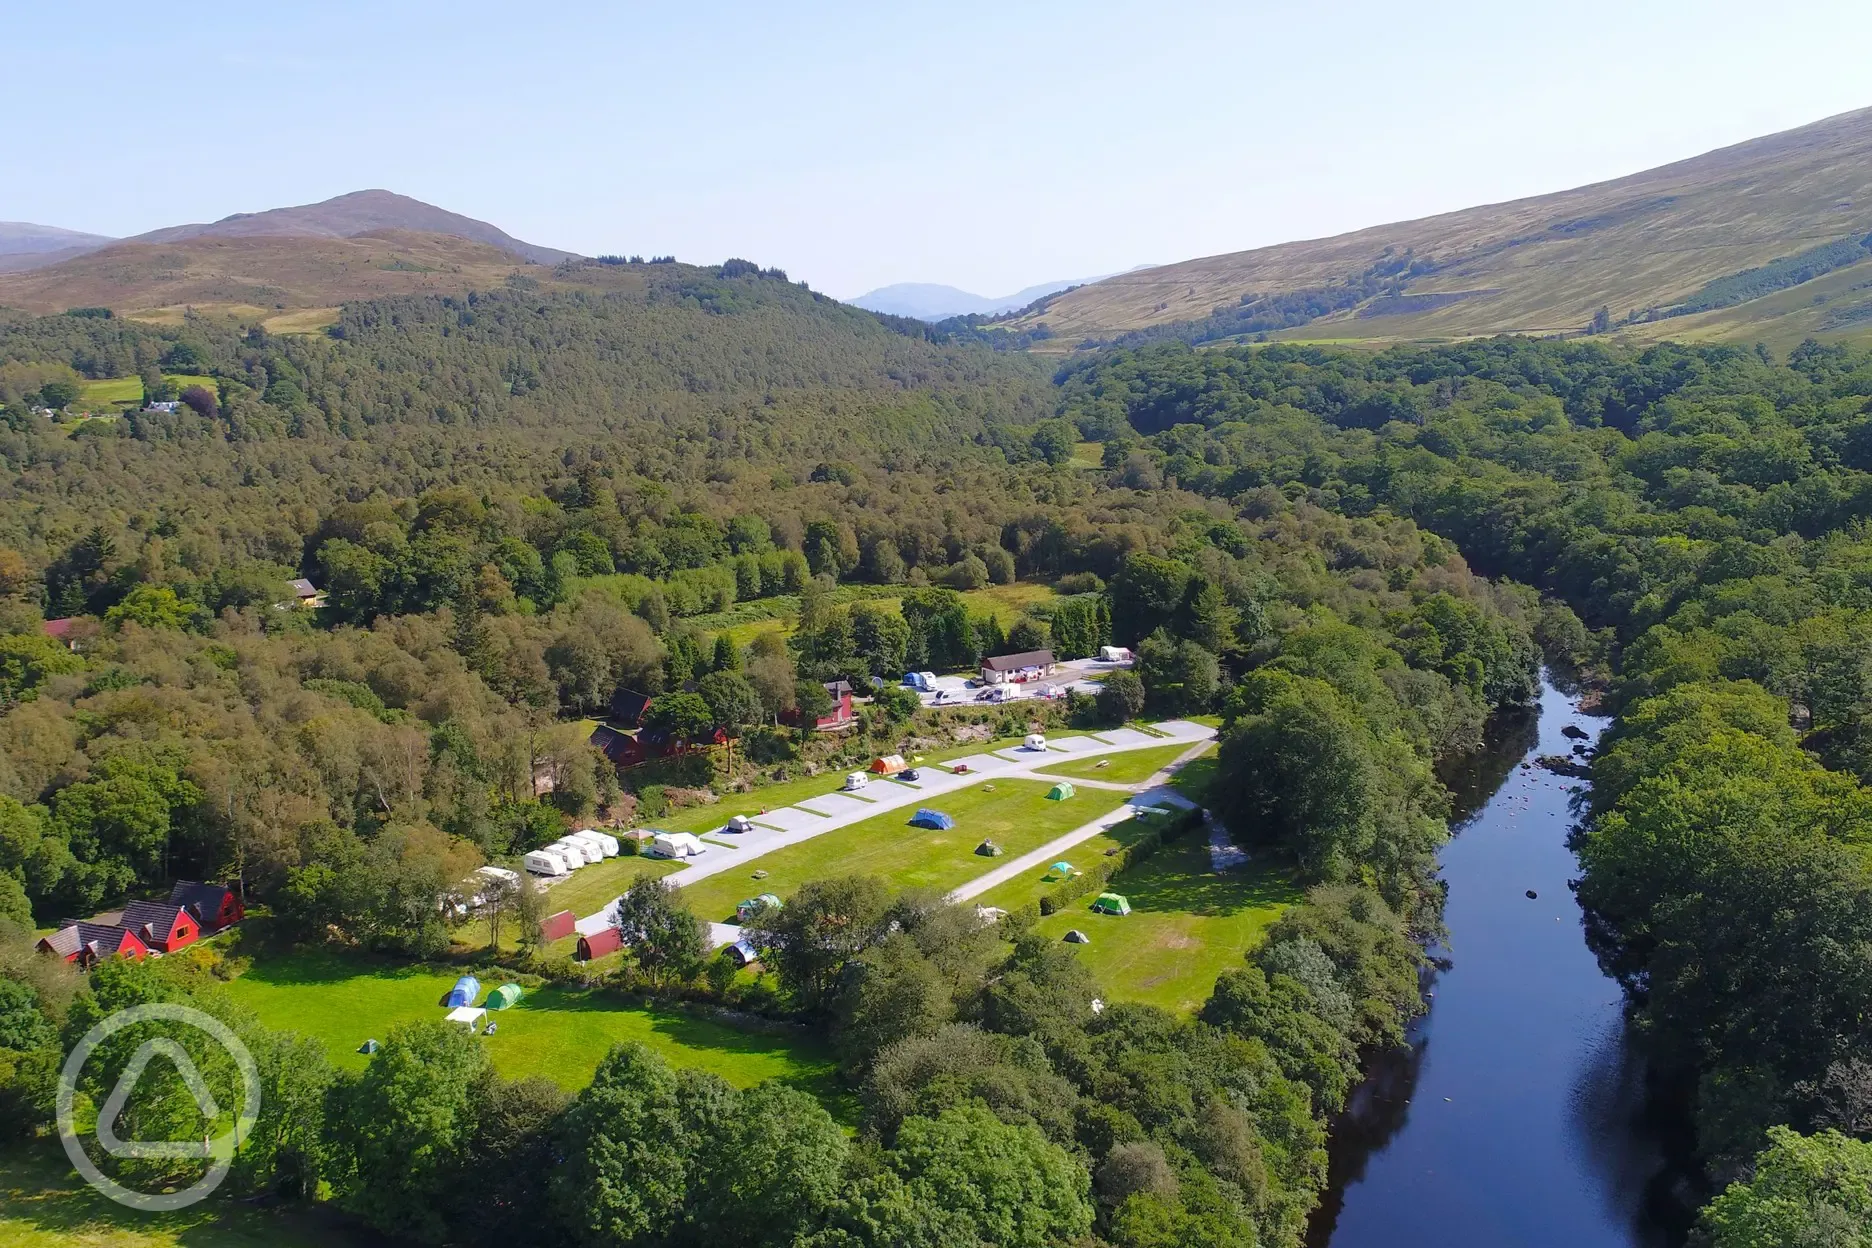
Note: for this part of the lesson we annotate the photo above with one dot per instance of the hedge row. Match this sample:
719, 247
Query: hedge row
1175, 828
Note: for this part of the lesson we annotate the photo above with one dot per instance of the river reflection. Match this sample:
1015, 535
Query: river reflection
1517, 1115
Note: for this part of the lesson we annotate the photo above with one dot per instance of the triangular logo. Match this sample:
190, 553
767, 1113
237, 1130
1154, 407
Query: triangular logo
126, 1084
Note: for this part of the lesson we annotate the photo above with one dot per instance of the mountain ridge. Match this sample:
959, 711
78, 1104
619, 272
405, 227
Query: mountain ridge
1540, 264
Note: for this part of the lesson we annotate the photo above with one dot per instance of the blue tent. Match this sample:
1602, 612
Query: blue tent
466, 989
927, 818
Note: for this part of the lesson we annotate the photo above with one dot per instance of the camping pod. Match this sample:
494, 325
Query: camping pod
1035, 741
466, 989
558, 926
1059, 792
544, 862
504, 996
599, 943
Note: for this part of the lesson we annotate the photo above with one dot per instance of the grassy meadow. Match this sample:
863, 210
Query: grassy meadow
555, 1031
1014, 813
117, 392
44, 1204
1187, 925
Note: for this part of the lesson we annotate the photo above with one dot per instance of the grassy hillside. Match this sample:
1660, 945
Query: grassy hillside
1542, 265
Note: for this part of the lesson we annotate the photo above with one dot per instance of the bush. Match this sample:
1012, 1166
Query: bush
652, 802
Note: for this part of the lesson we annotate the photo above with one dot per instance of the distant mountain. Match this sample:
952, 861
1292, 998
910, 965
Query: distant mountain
347, 216
24, 245
931, 302
1762, 241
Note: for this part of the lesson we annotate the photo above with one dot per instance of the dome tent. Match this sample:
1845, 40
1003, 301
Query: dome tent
1111, 903
1059, 792
932, 819
503, 996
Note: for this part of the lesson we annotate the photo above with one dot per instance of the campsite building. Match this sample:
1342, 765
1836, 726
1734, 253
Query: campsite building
90, 943
1016, 668
839, 717
162, 926
306, 594
599, 943
558, 926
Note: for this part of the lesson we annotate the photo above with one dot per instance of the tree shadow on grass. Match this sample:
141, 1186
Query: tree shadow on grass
323, 966
1179, 880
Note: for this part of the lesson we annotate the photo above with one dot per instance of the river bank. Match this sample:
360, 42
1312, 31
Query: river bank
1517, 1115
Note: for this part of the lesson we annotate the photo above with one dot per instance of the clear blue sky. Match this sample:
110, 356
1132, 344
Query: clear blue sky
856, 144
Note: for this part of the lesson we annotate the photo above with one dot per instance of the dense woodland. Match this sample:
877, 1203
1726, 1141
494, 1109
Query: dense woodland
522, 502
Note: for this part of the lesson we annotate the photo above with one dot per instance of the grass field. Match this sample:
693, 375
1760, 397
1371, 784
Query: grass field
1192, 780
1087, 455
1187, 925
1022, 889
301, 321
1015, 813
591, 887
43, 1204
118, 391
1130, 767
558, 1032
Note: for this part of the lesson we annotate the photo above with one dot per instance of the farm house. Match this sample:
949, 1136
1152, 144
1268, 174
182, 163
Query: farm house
934, 820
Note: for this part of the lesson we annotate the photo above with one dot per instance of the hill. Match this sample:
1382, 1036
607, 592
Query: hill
348, 216
24, 245
292, 265
929, 301
1670, 252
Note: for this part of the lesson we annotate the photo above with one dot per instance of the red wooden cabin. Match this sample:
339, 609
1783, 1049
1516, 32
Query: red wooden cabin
90, 943
162, 926
214, 906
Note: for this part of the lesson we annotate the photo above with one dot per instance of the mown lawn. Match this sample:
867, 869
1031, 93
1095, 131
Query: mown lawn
1014, 813
590, 887
558, 1032
1193, 779
1022, 889
1187, 925
1130, 767
44, 1204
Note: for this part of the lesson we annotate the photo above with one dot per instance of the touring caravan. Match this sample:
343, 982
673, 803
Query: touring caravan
544, 862
605, 844
575, 854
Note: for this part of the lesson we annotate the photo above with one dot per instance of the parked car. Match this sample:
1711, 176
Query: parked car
910, 774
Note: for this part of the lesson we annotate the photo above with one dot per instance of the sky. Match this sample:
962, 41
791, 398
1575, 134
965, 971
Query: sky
989, 147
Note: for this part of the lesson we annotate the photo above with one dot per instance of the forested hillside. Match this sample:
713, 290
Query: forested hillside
1703, 510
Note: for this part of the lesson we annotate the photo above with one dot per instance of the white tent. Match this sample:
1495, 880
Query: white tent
544, 862
498, 873
676, 845
468, 1016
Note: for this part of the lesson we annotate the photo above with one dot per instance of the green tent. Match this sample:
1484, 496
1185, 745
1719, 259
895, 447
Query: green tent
1111, 903
503, 996
1059, 792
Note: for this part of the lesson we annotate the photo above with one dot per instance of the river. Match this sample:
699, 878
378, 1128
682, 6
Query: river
1516, 1117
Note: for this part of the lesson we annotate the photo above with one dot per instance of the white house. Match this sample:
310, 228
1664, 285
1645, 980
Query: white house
676, 845
1027, 665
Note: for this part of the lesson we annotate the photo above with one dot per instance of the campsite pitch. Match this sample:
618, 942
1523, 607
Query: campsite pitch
1015, 814
557, 1032
1130, 767
1187, 925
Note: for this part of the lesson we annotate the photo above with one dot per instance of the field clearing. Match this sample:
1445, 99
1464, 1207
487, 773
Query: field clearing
1187, 925
118, 391
301, 321
1130, 767
1014, 813
745, 621
1087, 455
558, 1032
1020, 890
43, 1204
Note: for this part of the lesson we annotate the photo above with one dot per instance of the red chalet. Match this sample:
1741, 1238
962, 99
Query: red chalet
214, 906
628, 750
162, 926
90, 943
840, 716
